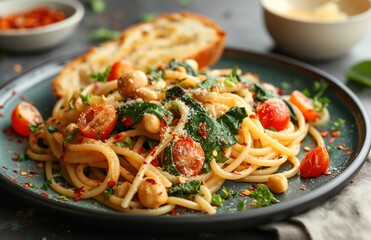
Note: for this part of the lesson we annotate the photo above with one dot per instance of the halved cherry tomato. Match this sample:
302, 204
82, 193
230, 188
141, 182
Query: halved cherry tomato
273, 113
188, 156
97, 122
119, 68
23, 115
305, 105
315, 162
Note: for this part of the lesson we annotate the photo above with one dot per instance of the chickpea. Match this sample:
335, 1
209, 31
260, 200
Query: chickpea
129, 82
151, 193
151, 123
192, 63
277, 183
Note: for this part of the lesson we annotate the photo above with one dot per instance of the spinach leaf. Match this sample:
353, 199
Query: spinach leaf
136, 110
208, 132
173, 64
360, 73
233, 119
167, 160
183, 190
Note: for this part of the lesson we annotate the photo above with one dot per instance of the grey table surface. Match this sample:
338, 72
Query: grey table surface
243, 22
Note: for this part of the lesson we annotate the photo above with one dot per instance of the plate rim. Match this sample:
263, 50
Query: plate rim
229, 221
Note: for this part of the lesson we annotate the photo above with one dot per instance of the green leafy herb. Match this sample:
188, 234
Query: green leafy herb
51, 129
216, 200
262, 197
126, 143
71, 103
98, 6
183, 190
108, 192
319, 102
100, 76
135, 111
70, 136
63, 198
241, 206
104, 34
49, 181
360, 73
233, 118
34, 128
174, 64
336, 125
227, 194
86, 99
22, 158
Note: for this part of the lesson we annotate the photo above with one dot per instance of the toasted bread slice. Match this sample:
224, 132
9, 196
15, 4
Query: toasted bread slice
170, 36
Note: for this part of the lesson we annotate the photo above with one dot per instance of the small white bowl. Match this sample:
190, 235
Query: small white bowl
40, 38
316, 39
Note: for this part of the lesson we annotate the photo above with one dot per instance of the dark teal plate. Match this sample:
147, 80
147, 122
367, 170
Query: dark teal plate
301, 196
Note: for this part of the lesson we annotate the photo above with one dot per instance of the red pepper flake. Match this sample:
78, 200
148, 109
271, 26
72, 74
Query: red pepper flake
331, 140
155, 162
117, 137
8, 131
151, 180
40, 165
44, 195
1, 106
335, 133
1, 115
325, 133
340, 146
128, 121
303, 188
174, 212
33, 173
327, 172
111, 183
254, 116
202, 132
78, 192
27, 185
14, 93
15, 171
5, 168
349, 153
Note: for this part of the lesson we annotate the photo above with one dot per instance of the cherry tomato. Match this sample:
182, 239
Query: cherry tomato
23, 115
188, 156
273, 113
305, 105
97, 122
315, 162
119, 68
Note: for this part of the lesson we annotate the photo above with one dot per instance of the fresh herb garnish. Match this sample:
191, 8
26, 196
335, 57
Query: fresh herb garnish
70, 136
126, 143
22, 158
227, 194
51, 129
241, 206
319, 102
183, 190
49, 181
108, 192
360, 73
86, 99
98, 6
262, 197
100, 76
104, 34
34, 128
336, 125
216, 200
71, 103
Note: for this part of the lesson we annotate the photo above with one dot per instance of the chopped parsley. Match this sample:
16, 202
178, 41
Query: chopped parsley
227, 194
241, 206
70, 136
86, 99
100, 76
22, 158
49, 181
126, 143
336, 125
216, 200
108, 192
34, 128
51, 129
262, 197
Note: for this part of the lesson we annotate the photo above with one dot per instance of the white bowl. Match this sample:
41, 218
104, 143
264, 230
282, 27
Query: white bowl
316, 39
41, 38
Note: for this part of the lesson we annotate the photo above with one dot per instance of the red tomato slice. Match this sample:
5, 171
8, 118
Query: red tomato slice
23, 115
315, 162
188, 156
273, 113
119, 68
97, 122
305, 105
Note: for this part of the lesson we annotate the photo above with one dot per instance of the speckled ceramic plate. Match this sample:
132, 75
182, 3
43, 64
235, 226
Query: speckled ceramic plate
301, 196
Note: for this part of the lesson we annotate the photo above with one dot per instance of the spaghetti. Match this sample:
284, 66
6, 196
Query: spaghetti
148, 142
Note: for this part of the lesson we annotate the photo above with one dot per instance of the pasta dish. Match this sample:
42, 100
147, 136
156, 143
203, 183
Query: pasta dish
144, 142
